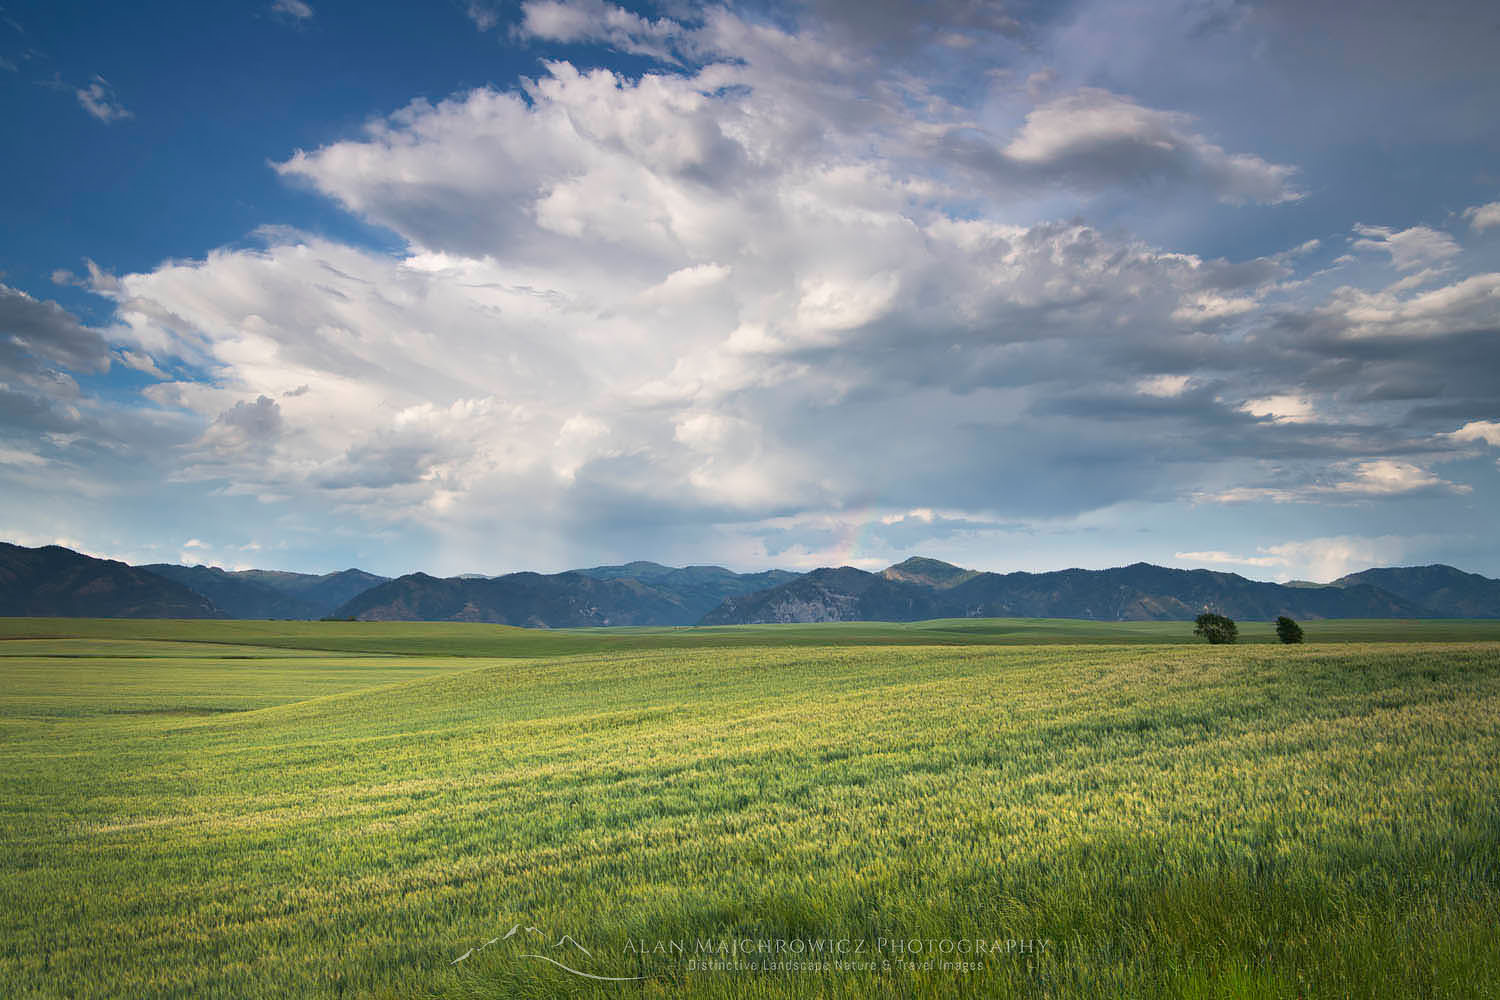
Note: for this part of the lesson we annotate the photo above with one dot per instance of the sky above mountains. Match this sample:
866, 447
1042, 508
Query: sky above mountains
474, 286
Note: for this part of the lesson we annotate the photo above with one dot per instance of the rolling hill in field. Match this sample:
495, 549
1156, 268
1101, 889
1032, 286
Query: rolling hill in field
56, 582
925, 588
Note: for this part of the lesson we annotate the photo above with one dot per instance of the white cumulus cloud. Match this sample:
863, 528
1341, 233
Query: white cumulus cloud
1483, 217
1418, 246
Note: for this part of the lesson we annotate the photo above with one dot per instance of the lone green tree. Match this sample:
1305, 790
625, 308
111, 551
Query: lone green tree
1217, 629
1287, 630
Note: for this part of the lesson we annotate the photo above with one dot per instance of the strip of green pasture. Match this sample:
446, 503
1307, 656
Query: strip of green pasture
468, 639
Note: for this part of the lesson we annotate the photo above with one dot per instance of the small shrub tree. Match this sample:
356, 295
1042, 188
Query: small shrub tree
1217, 629
1287, 630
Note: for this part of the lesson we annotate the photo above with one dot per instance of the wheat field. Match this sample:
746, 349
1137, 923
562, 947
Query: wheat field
332, 809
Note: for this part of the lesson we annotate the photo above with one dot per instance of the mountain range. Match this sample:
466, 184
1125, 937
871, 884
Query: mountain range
917, 589
1451, 592
54, 581
639, 593
263, 593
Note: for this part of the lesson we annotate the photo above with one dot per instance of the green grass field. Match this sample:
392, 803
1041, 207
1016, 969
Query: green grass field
1008, 808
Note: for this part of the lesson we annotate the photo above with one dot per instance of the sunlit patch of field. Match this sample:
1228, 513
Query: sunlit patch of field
1140, 820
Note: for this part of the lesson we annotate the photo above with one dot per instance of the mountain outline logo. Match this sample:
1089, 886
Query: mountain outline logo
566, 943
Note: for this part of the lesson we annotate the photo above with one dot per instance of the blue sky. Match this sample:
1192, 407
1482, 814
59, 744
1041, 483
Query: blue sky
478, 286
